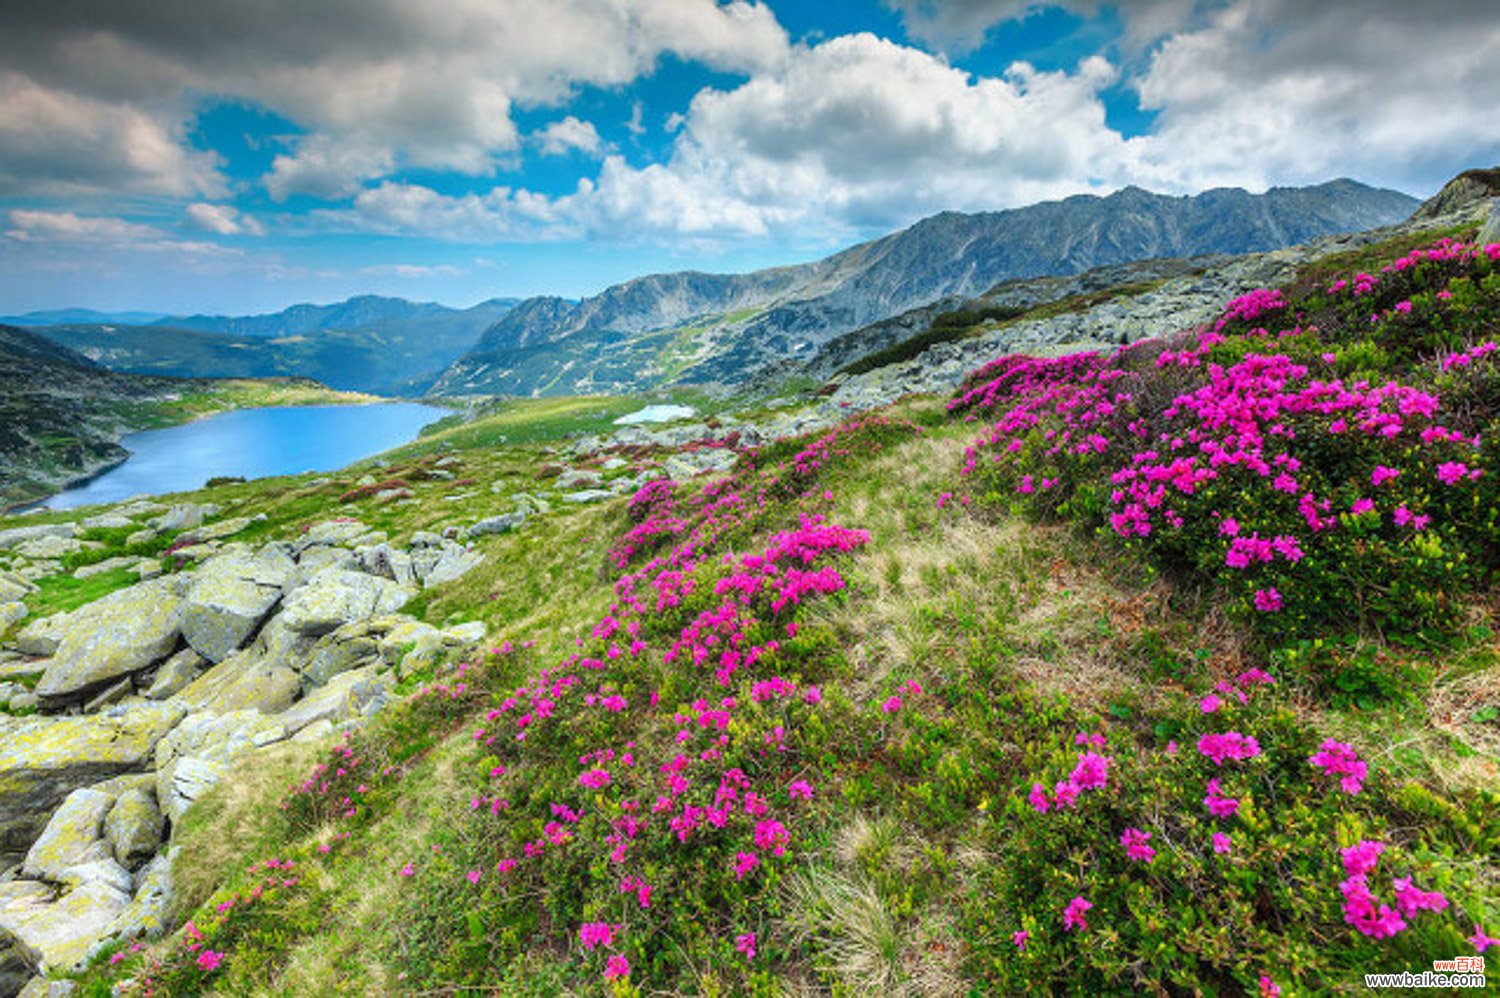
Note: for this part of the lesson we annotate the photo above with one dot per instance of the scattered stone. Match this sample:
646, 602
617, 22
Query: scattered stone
501, 524
573, 478
49, 547
1490, 231
220, 530
107, 565
385, 561
149, 568
445, 564
119, 634
530, 504
41, 637
107, 521
196, 552
243, 682
183, 517
469, 633
340, 651
587, 496
184, 781
174, 675
11, 614
331, 532
713, 460
141, 537
139, 508
61, 934
19, 535
13, 588
73, 836
147, 914
40, 987
133, 827
613, 463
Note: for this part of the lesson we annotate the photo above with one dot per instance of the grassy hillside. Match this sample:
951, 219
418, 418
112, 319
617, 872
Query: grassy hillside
1173, 670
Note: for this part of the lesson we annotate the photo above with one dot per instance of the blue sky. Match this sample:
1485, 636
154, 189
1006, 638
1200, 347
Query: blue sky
238, 156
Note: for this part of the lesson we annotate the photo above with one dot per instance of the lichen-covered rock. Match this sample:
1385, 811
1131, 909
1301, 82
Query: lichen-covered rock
337, 596
436, 565
41, 987
174, 675
42, 636
183, 517
11, 614
243, 681
122, 633
20, 535
184, 781
230, 596
387, 562
73, 836
147, 914
504, 523
60, 934
43, 548
42, 760
348, 695
340, 651
133, 828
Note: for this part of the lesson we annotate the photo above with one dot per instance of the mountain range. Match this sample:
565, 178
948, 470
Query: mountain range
712, 328
386, 346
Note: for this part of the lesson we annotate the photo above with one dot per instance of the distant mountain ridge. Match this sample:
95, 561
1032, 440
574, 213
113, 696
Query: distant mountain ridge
387, 346
691, 327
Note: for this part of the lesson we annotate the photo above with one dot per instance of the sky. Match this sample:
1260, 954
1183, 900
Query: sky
236, 156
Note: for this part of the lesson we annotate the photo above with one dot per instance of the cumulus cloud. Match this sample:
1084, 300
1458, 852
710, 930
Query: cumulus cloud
962, 24
1278, 91
56, 143
224, 219
423, 85
568, 135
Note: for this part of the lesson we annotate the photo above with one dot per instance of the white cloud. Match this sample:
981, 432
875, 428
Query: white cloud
68, 227
1278, 91
502, 214
44, 229
380, 84
53, 142
412, 271
327, 168
960, 25
562, 137
224, 219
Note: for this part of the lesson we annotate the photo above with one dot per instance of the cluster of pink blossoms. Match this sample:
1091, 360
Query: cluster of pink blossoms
1090, 773
1364, 911
1339, 759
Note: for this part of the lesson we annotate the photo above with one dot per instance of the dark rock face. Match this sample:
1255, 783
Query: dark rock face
700, 328
1463, 190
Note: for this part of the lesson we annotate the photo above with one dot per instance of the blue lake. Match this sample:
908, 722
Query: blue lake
252, 443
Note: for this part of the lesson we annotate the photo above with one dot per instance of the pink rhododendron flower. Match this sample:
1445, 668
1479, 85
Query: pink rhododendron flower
746, 945
1229, 745
1020, 936
1134, 840
1222, 843
1480, 941
1338, 759
592, 934
1092, 771
1218, 805
1073, 915
1268, 600
208, 961
1382, 474
1362, 857
1269, 988
744, 862
1210, 704
1412, 899
616, 967
1038, 798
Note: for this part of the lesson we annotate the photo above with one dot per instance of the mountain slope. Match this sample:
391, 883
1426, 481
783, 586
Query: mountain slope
381, 345
701, 328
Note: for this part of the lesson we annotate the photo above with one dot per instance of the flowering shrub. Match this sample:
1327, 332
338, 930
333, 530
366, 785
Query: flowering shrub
1309, 487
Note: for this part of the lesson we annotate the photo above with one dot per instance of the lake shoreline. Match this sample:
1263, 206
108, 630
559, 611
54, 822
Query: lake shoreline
83, 481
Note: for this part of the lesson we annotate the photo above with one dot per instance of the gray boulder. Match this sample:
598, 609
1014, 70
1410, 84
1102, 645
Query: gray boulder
60, 934
348, 695
175, 674
336, 596
1490, 231
133, 828
122, 633
19, 535
504, 523
230, 596
42, 760
72, 837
